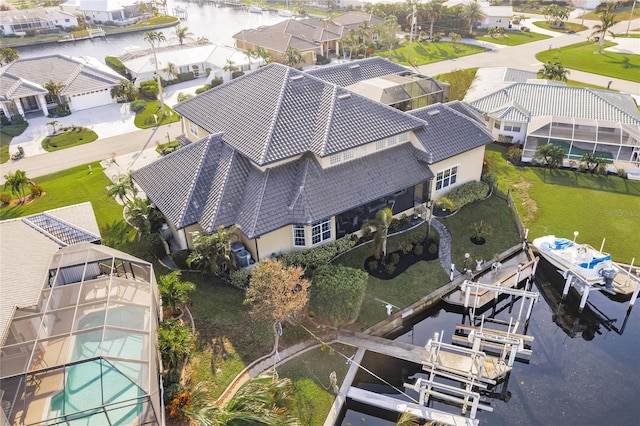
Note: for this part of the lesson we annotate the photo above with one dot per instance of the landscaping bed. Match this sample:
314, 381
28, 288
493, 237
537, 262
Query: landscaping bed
67, 137
397, 262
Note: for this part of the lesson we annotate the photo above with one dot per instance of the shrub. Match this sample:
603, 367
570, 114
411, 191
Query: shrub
180, 258
525, 29
203, 89
116, 65
482, 229
394, 258
216, 81
240, 278
393, 225
149, 89
170, 391
138, 105
186, 76
36, 190
445, 203
17, 119
514, 154
322, 60
236, 74
4, 120
490, 179
468, 193
373, 264
418, 250
184, 96
366, 232
62, 110
311, 259
5, 198
622, 173
152, 245
601, 169
433, 248
337, 292
390, 268
406, 247
404, 219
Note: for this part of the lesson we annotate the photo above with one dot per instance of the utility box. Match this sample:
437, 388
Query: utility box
243, 258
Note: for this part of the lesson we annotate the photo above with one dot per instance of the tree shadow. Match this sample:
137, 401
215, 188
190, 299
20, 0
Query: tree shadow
585, 180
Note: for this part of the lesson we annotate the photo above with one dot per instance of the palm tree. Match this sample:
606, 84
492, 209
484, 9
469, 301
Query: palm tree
261, 52
381, 223
472, 13
552, 155
388, 33
17, 182
554, 71
182, 33
213, 252
155, 38
7, 55
434, 12
292, 57
171, 70
143, 215
262, 400
607, 20
124, 90
55, 89
121, 188
349, 40
175, 342
174, 291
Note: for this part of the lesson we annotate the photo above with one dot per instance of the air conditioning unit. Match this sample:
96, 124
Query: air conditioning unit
243, 258
236, 247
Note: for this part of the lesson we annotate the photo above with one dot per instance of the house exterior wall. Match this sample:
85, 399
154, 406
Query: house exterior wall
496, 22
90, 100
500, 129
469, 168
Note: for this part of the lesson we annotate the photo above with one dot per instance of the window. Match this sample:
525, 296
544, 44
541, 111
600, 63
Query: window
496, 124
404, 137
391, 141
193, 129
511, 128
320, 231
348, 155
335, 159
361, 151
380, 144
299, 236
446, 177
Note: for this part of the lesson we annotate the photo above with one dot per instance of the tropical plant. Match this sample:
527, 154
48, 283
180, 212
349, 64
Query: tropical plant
174, 291
482, 229
143, 215
554, 71
54, 126
171, 70
125, 90
381, 223
182, 33
213, 252
261, 52
277, 292
122, 187
175, 342
154, 38
55, 89
292, 57
388, 33
17, 182
445, 203
337, 292
471, 13
350, 40
549, 154
262, 400
434, 12
8, 54
592, 162
607, 20
455, 39
555, 14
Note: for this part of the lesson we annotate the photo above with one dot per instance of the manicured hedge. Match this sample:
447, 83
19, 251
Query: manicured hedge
311, 259
337, 292
115, 64
468, 193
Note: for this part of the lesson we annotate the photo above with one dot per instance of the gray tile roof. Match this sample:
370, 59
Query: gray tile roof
209, 183
26, 77
449, 132
562, 101
278, 112
518, 76
351, 73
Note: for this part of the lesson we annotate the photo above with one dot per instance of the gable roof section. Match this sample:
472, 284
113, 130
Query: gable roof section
278, 112
351, 73
277, 38
563, 101
355, 19
449, 132
513, 112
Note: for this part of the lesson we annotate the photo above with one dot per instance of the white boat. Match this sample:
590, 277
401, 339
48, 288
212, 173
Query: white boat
591, 266
255, 9
285, 13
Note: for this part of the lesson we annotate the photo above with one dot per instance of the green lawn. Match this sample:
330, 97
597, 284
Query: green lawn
145, 119
568, 26
584, 57
621, 13
514, 38
7, 133
562, 201
427, 53
69, 139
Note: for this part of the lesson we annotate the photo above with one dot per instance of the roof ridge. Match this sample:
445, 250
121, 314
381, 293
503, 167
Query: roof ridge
607, 101
258, 202
300, 188
227, 166
196, 176
330, 114
274, 120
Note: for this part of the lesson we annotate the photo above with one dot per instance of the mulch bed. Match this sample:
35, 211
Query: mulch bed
406, 260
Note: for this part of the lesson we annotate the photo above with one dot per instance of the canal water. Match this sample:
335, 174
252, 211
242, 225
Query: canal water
218, 24
584, 369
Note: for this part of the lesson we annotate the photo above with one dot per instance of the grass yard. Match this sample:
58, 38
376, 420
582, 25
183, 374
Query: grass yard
584, 57
514, 38
562, 201
427, 53
460, 81
68, 139
493, 210
7, 133
621, 13
309, 373
146, 120
568, 26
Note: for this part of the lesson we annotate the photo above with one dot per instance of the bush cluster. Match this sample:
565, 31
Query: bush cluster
186, 76
322, 60
138, 105
116, 65
337, 292
180, 258
240, 278
468, 193
5, 198
149, 89
311, 259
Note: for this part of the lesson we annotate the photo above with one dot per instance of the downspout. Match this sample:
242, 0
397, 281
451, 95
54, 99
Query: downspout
255, 240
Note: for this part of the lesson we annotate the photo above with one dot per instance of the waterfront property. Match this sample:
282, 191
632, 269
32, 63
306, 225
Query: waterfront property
78, 325
310, 163
85, 83
580, 120
120, 13
311, 36
41, 20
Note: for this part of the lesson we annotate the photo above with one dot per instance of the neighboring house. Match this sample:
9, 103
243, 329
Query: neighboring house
21, 22
494, 16
203, 59
113, 12
294, 161
78, 323
386, 82
311, 36
491, 79
578, 119
87, 84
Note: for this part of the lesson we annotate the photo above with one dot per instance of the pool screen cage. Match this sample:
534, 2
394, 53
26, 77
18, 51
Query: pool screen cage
86, 353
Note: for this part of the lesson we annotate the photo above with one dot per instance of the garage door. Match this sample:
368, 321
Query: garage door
91, 100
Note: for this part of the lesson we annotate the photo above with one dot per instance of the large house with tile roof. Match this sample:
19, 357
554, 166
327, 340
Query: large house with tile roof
311, 36
41, 20
578, 119
294, 161
87, 84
